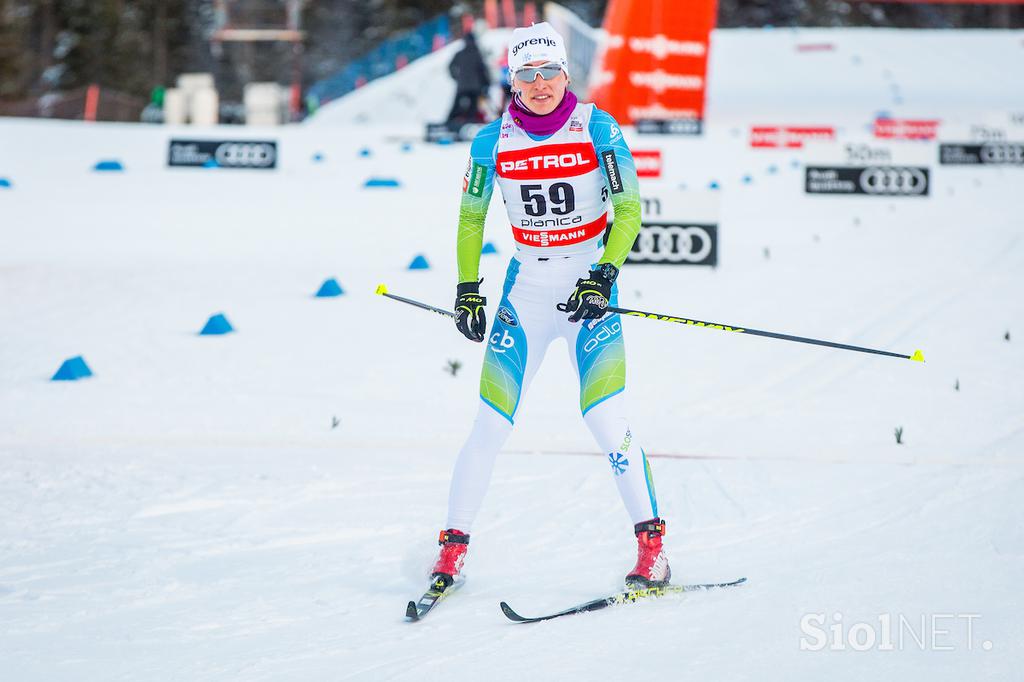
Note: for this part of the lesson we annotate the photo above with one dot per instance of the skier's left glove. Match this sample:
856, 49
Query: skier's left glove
592, 294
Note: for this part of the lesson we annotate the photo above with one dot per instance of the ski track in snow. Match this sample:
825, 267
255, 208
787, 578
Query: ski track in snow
226, 586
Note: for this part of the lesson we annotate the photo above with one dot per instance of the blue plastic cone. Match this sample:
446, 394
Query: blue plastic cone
489, 247
108, 166
329, 288
419, 263
72, 369
217, 324
381, 182
4, 182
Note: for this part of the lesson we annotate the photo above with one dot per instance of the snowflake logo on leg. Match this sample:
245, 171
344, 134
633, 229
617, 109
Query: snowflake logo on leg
618, 462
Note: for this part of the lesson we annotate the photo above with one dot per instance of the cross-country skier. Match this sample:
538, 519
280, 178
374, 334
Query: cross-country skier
559, 163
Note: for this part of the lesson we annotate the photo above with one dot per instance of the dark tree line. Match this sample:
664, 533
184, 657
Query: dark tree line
134, 45
130, 45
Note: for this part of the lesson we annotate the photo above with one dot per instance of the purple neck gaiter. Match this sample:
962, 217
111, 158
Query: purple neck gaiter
537, 124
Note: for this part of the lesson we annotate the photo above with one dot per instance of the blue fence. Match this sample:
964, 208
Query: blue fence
384, 59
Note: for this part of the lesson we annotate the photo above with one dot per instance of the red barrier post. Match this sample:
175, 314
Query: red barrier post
529, 13
92, 103
491, 13
508, 9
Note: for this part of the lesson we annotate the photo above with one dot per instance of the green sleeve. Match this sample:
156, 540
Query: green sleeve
477, 187
607, 137
624, 230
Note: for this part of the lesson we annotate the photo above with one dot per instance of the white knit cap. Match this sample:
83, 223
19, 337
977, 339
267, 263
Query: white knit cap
535, 43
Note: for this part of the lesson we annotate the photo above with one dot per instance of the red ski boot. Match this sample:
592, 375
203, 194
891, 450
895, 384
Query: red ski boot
454, 544
651, 568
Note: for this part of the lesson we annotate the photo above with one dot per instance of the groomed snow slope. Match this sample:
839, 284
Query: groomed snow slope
190, 513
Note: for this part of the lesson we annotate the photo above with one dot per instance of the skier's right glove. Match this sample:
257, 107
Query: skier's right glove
590, 298
470, 317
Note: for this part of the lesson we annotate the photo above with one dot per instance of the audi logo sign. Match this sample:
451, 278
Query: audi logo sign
680, 126
255, 154
990, 153
246, 155
453, 132
889, 181
675, 244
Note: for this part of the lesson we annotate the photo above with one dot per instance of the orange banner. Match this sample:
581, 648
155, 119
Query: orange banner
655, 60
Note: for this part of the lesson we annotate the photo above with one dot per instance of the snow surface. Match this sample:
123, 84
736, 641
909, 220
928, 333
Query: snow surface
856, 72
190, 513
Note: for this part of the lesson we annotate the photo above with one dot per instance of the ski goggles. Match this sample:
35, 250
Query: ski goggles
528, 74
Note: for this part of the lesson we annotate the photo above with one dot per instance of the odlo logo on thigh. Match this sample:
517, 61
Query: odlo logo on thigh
603, 334
619, 463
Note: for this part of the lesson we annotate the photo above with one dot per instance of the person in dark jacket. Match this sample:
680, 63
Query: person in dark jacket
471, 82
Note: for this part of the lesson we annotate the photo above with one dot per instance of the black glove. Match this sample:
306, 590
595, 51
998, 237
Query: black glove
590, 299
470, 318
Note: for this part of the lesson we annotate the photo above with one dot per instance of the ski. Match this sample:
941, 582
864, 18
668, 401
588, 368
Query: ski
438, 590
627, 596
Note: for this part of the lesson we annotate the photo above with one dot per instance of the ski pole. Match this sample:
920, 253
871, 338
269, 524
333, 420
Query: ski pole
918, 356
383, 291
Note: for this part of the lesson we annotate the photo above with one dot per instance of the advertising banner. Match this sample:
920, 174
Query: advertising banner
891, 168
648, 163
677, 230
788, 137
989, 153
906, 129
251, 154
654, 63
886, 181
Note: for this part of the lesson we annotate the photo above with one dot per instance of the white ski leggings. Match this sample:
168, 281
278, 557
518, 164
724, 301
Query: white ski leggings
525, 325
